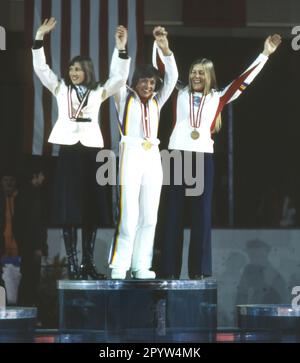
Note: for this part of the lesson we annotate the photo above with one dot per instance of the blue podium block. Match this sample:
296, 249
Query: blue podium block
139, 310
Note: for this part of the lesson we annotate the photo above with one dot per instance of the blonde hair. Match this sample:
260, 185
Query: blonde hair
210, 83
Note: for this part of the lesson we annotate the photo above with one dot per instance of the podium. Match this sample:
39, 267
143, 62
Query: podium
269, 323
138, 310
17, 324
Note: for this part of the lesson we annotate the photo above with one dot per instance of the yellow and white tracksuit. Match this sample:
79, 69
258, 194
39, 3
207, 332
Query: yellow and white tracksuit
140, 174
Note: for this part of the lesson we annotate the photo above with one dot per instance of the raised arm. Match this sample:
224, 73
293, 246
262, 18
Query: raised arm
121, 38
164, 60
119, 67
161, 38
235, 88
271, 44
41, 68
47, 26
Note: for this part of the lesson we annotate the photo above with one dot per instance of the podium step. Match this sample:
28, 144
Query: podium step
269, 322
17, 324
139, 310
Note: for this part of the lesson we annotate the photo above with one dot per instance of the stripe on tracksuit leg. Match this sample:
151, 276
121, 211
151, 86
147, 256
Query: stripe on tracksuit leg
115, 243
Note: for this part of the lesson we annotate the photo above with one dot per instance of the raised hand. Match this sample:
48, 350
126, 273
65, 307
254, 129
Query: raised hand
271, 44
121, 37
160, 34
47, 26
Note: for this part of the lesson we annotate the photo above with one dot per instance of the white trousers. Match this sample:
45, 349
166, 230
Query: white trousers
140, 186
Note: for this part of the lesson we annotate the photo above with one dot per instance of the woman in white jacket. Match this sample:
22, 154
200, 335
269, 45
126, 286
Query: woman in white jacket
197, 116
78, 200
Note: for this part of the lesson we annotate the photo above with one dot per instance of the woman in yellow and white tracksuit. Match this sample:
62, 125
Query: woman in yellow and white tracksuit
140, 169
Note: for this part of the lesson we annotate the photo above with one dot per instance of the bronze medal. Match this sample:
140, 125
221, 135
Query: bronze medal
195, 135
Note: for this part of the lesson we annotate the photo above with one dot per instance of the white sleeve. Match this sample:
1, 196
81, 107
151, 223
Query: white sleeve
43, 71
170, 73
119, 71
120, 100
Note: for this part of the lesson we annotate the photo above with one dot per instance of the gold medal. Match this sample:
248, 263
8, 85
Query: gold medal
147, 145
195, 135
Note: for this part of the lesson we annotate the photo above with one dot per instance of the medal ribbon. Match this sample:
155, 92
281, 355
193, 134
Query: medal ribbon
146, 120
195, 122
70, 104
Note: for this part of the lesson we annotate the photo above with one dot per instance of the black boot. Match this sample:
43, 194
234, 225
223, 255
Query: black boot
70, 238
87, 267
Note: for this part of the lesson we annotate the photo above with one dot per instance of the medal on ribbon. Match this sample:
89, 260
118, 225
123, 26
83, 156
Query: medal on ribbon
195, 134
146, 144
195, 121
73, 113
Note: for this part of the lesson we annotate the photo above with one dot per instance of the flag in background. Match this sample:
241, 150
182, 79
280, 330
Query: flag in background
84, 27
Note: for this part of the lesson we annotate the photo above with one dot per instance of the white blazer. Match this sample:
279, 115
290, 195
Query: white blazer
66, 131
214, 102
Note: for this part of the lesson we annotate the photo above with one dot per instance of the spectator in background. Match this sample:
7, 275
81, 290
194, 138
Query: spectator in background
30, 231
9, 192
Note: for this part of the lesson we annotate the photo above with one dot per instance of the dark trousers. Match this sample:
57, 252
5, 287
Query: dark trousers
198, 210
78, 200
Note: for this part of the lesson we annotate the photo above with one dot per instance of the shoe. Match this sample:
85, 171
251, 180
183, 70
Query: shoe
143, 274
89, 269
118, 274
